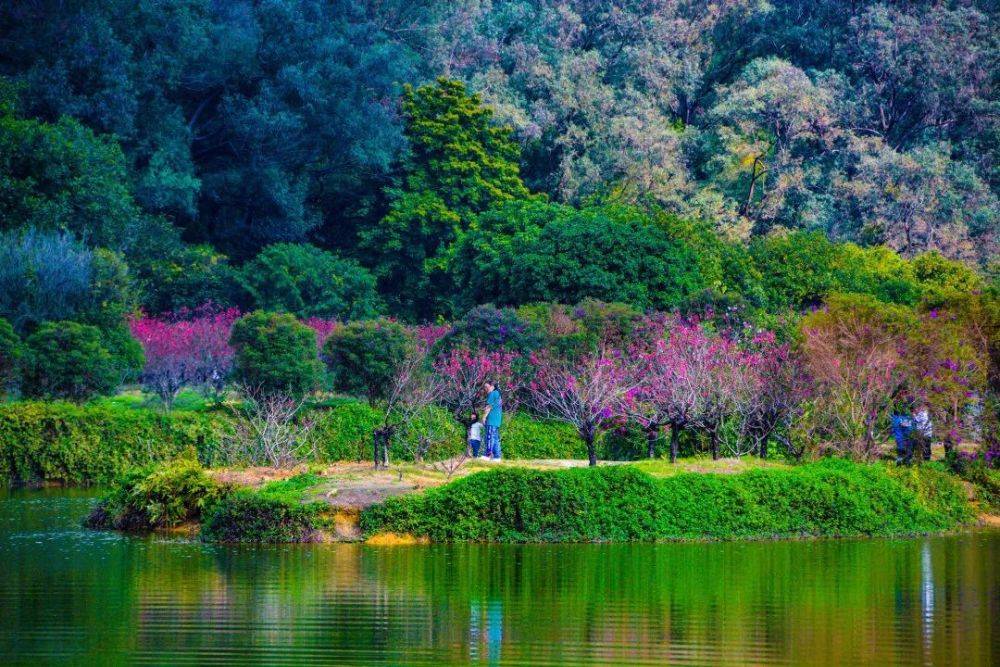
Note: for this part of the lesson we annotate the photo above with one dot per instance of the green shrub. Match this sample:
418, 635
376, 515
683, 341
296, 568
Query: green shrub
304, 280
11, 355
83, 444
69, 360
157, 496
364, 356
254, 517
621, 503
274, 354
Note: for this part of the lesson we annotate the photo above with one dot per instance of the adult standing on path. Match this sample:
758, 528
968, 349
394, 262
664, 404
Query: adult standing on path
493, 417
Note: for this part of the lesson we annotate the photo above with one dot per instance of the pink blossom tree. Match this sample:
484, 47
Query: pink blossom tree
775, 390
589, 393
323, 329
462, 373
672, 385
185, 352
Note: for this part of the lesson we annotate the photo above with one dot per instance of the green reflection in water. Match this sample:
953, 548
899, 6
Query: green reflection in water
69, 593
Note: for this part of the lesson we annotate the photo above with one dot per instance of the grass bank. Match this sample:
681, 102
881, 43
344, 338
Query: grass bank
623, 503
514, 503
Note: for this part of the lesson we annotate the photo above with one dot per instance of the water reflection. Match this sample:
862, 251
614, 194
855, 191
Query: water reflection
67, 593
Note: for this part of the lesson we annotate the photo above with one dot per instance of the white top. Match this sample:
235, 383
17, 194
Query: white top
922, 421
476, 431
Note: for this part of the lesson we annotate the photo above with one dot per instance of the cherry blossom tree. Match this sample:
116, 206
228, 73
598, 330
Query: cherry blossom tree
589, 393
189, 348
462, 372
776, 386
673, 385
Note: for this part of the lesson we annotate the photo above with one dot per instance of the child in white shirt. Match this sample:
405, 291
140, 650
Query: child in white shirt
475, 434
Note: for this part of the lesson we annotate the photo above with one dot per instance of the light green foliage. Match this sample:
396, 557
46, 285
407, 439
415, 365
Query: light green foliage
460, 163
309, 282
159, 496
274, 354
620, 503
69, 360
92, 444
365, 356
944, 280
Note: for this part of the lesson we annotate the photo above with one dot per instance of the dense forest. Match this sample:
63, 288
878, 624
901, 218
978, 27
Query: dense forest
415, 158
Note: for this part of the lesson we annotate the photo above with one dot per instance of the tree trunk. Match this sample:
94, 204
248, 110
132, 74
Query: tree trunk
591, 452
652, 433
763, 448
675, 442
715, 444
380, 446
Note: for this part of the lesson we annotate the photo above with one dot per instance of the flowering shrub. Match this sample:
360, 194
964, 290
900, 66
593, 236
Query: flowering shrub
187, 348
462, 372
589, 393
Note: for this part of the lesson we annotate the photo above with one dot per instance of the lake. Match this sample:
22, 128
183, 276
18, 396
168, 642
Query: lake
83, 597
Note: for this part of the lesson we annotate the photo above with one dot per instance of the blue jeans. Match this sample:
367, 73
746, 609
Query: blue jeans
474, 445
902, 427
492, 442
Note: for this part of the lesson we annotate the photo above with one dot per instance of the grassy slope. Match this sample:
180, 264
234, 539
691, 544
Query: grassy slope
623, 503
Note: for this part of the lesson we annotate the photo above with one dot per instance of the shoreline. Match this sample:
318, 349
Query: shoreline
525, 503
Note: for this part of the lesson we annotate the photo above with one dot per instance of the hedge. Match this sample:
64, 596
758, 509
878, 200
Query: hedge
81, 444
622, 503
93, 443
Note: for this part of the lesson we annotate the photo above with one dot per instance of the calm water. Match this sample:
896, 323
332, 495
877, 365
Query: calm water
83, 597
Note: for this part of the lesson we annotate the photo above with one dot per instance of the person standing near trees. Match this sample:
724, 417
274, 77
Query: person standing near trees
492, 417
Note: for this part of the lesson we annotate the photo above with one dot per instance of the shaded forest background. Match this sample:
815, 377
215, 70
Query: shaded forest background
179, 142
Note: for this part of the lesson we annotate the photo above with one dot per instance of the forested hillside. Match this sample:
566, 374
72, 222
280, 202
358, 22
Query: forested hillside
436, 155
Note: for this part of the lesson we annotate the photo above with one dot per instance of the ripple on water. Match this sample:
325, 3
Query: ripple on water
82, 596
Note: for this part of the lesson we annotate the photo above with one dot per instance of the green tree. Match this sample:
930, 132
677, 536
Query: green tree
364, 356
11, 356
309, 282
944, 280
275, 355
460, 163
50, 276
64, 177
797, 268
69, 360
534, 251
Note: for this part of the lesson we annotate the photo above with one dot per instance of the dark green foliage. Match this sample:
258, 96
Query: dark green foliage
261, 518
11, 356
309, 282
63, 177
69, 360
533, 251
274, 354
51, 276
90, 444
190, 278
157, 496
620, 503
365, 356
797, 268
